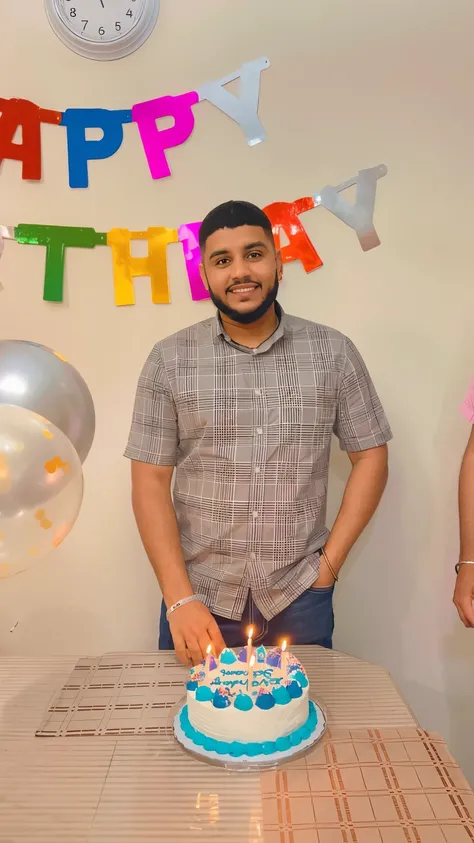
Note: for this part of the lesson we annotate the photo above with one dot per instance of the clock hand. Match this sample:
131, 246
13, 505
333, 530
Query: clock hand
102, 4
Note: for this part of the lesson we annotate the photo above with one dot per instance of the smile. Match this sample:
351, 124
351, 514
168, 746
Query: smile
242, 289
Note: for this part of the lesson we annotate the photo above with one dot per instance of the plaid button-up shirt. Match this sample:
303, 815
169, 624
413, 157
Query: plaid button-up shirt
249, 431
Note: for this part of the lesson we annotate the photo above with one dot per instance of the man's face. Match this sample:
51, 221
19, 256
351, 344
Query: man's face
241, 270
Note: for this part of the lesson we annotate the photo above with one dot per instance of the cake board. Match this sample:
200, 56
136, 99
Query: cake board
259, 762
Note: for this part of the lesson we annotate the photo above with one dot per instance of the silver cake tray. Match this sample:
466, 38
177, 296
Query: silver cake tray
259, 762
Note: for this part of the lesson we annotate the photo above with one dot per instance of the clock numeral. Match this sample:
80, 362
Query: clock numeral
85, 22
72, 12
130, 13
101, 30
118, 25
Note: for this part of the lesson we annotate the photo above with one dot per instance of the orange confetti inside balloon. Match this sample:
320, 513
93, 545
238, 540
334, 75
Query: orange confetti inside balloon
60, 356
46, 524
1, 537
5, 476
33, 551
52, 465
47, 433
39, 514
4, 568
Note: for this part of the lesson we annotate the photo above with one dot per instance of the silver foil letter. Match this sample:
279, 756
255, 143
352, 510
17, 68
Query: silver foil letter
360, 215
242, 109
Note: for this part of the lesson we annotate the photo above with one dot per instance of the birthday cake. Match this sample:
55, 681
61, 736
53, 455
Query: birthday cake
248, 708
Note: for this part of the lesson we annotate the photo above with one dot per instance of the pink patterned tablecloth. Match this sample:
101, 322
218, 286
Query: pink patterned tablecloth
370, 786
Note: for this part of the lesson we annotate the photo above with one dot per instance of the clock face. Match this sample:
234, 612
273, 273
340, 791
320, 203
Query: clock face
100, 21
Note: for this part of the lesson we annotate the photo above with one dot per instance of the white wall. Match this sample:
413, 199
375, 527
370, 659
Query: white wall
351, 85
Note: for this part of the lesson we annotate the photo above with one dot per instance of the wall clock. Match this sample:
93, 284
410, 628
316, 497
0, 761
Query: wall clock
103, 29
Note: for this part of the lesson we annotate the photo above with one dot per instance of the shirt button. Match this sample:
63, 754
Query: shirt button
257, 469
258, 391
259, 430
255, 514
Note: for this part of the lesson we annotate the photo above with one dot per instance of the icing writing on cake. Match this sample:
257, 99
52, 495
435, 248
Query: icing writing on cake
234, 672
228, 683
260, 678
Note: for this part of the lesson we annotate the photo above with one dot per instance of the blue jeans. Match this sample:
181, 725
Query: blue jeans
308, 620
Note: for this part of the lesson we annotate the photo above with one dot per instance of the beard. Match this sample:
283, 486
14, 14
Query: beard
250, 316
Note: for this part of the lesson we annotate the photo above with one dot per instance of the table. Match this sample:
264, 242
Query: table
376, 778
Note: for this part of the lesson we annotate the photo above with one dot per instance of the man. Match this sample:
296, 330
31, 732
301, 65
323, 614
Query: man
464, 588
244, 405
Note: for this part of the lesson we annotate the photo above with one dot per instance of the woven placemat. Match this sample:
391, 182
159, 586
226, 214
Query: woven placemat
116, 695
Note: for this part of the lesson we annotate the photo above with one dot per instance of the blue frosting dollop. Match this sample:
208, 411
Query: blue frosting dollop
191, 685
227, 656
261, 654
204, 694
294, 690
237, 749
301, 679
243, 702
220, 700
281, 695
265, 701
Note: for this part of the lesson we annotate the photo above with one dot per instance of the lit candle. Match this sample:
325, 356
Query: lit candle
250, 674
284, 662
208, 661
249, 645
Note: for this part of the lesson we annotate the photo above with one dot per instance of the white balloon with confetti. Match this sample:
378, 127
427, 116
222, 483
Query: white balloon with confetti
41, 487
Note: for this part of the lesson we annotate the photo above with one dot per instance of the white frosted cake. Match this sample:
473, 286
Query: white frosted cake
248, 710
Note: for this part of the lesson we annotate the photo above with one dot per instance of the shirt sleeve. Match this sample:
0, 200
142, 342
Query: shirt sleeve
360, 420
153, 434
467, 407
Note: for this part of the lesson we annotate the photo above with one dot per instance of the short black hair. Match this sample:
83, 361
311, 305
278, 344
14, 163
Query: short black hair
233, 214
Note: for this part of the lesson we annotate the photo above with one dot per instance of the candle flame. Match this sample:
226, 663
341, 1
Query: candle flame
209, 648
252, 661
250, 633
283, 646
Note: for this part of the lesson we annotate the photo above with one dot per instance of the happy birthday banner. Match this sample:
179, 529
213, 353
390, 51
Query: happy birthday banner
19, 113
284, 217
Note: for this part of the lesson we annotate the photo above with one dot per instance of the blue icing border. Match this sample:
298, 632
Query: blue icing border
236, 748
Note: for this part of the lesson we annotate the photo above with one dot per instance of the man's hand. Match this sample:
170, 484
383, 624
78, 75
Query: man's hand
193, 628
361, 496
464, 594
325, 578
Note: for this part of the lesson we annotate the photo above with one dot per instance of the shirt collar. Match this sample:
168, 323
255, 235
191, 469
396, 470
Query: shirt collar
218, 330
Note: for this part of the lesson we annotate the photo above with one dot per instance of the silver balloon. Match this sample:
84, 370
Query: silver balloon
39, 379
37, 462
